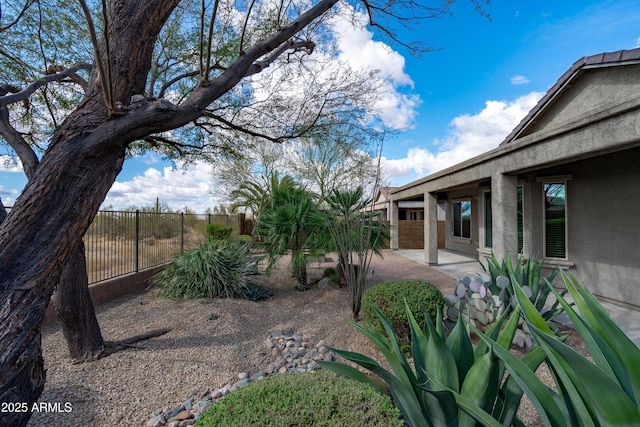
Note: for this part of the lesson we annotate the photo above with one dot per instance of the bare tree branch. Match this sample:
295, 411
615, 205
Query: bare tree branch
42, 81
233, 126
214, 12
174, 80
96, 53
22, 12
15, 140
244, 27
291, 45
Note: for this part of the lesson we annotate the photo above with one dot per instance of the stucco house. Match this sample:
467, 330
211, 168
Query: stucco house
564, 184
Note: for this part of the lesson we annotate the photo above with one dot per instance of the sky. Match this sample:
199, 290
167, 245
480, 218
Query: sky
450, 104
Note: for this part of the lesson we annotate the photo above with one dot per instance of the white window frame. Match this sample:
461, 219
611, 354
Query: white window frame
521, 186
549, 181
483, 219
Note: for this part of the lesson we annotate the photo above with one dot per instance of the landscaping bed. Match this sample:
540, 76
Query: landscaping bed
210, 343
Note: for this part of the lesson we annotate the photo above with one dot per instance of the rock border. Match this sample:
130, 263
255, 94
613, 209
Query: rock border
291, 352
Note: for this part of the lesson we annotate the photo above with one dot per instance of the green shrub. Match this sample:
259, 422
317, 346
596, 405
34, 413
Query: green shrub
307, 399
219, 232
389, 298
217, 268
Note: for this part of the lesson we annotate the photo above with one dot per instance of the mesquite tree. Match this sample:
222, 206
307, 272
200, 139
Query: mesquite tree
137, 93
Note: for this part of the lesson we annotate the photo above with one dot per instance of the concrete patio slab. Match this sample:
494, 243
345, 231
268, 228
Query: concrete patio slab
410, 264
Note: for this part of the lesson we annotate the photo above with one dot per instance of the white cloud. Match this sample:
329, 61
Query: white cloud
351, 51
469, 136
357, 47
8, 196
10, 164
637, 43
519, 80
190, 187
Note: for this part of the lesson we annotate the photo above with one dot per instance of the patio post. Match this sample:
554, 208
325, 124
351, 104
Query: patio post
430, 228
504, 207
394, 225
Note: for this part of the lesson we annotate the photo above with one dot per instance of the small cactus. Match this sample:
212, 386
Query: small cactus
474, 301
482, 299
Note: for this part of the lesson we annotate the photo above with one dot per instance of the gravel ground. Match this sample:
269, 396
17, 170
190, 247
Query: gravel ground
198, 354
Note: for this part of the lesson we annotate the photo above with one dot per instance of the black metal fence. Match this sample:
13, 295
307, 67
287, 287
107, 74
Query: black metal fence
123, 242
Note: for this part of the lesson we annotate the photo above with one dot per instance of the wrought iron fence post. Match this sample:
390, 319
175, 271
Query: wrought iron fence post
137, 240
181, 233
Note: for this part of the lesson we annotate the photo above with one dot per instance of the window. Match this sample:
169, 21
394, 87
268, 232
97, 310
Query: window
555, 220
520, 219
462, 219
488, 227
416, 215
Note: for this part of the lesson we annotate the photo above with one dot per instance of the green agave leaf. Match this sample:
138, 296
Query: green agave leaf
602, 396
418, 344
540, 395
511, 391
493, 333
481, 385
439, 362
360, 359
393, 353
469, 407
603, 355
600, 320
439, 324
349, 372
506, 336
529, 311
461, 347
446, 409
577, 411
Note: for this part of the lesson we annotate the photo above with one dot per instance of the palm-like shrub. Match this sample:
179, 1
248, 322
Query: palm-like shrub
356, 235
256, 196
217, 268
290, 224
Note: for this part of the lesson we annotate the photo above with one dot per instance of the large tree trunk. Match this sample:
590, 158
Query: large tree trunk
75, 310
36, 241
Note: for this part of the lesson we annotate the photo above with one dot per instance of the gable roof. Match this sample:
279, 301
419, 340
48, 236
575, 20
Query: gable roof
607, 59
384, 194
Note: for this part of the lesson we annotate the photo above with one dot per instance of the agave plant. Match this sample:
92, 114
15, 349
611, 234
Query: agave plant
480, 300
528, 274
451, 384
605, 391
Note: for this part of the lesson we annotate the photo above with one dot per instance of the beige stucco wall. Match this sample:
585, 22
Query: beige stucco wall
590, 132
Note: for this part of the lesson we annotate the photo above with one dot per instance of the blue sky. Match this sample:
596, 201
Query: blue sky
458, 101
